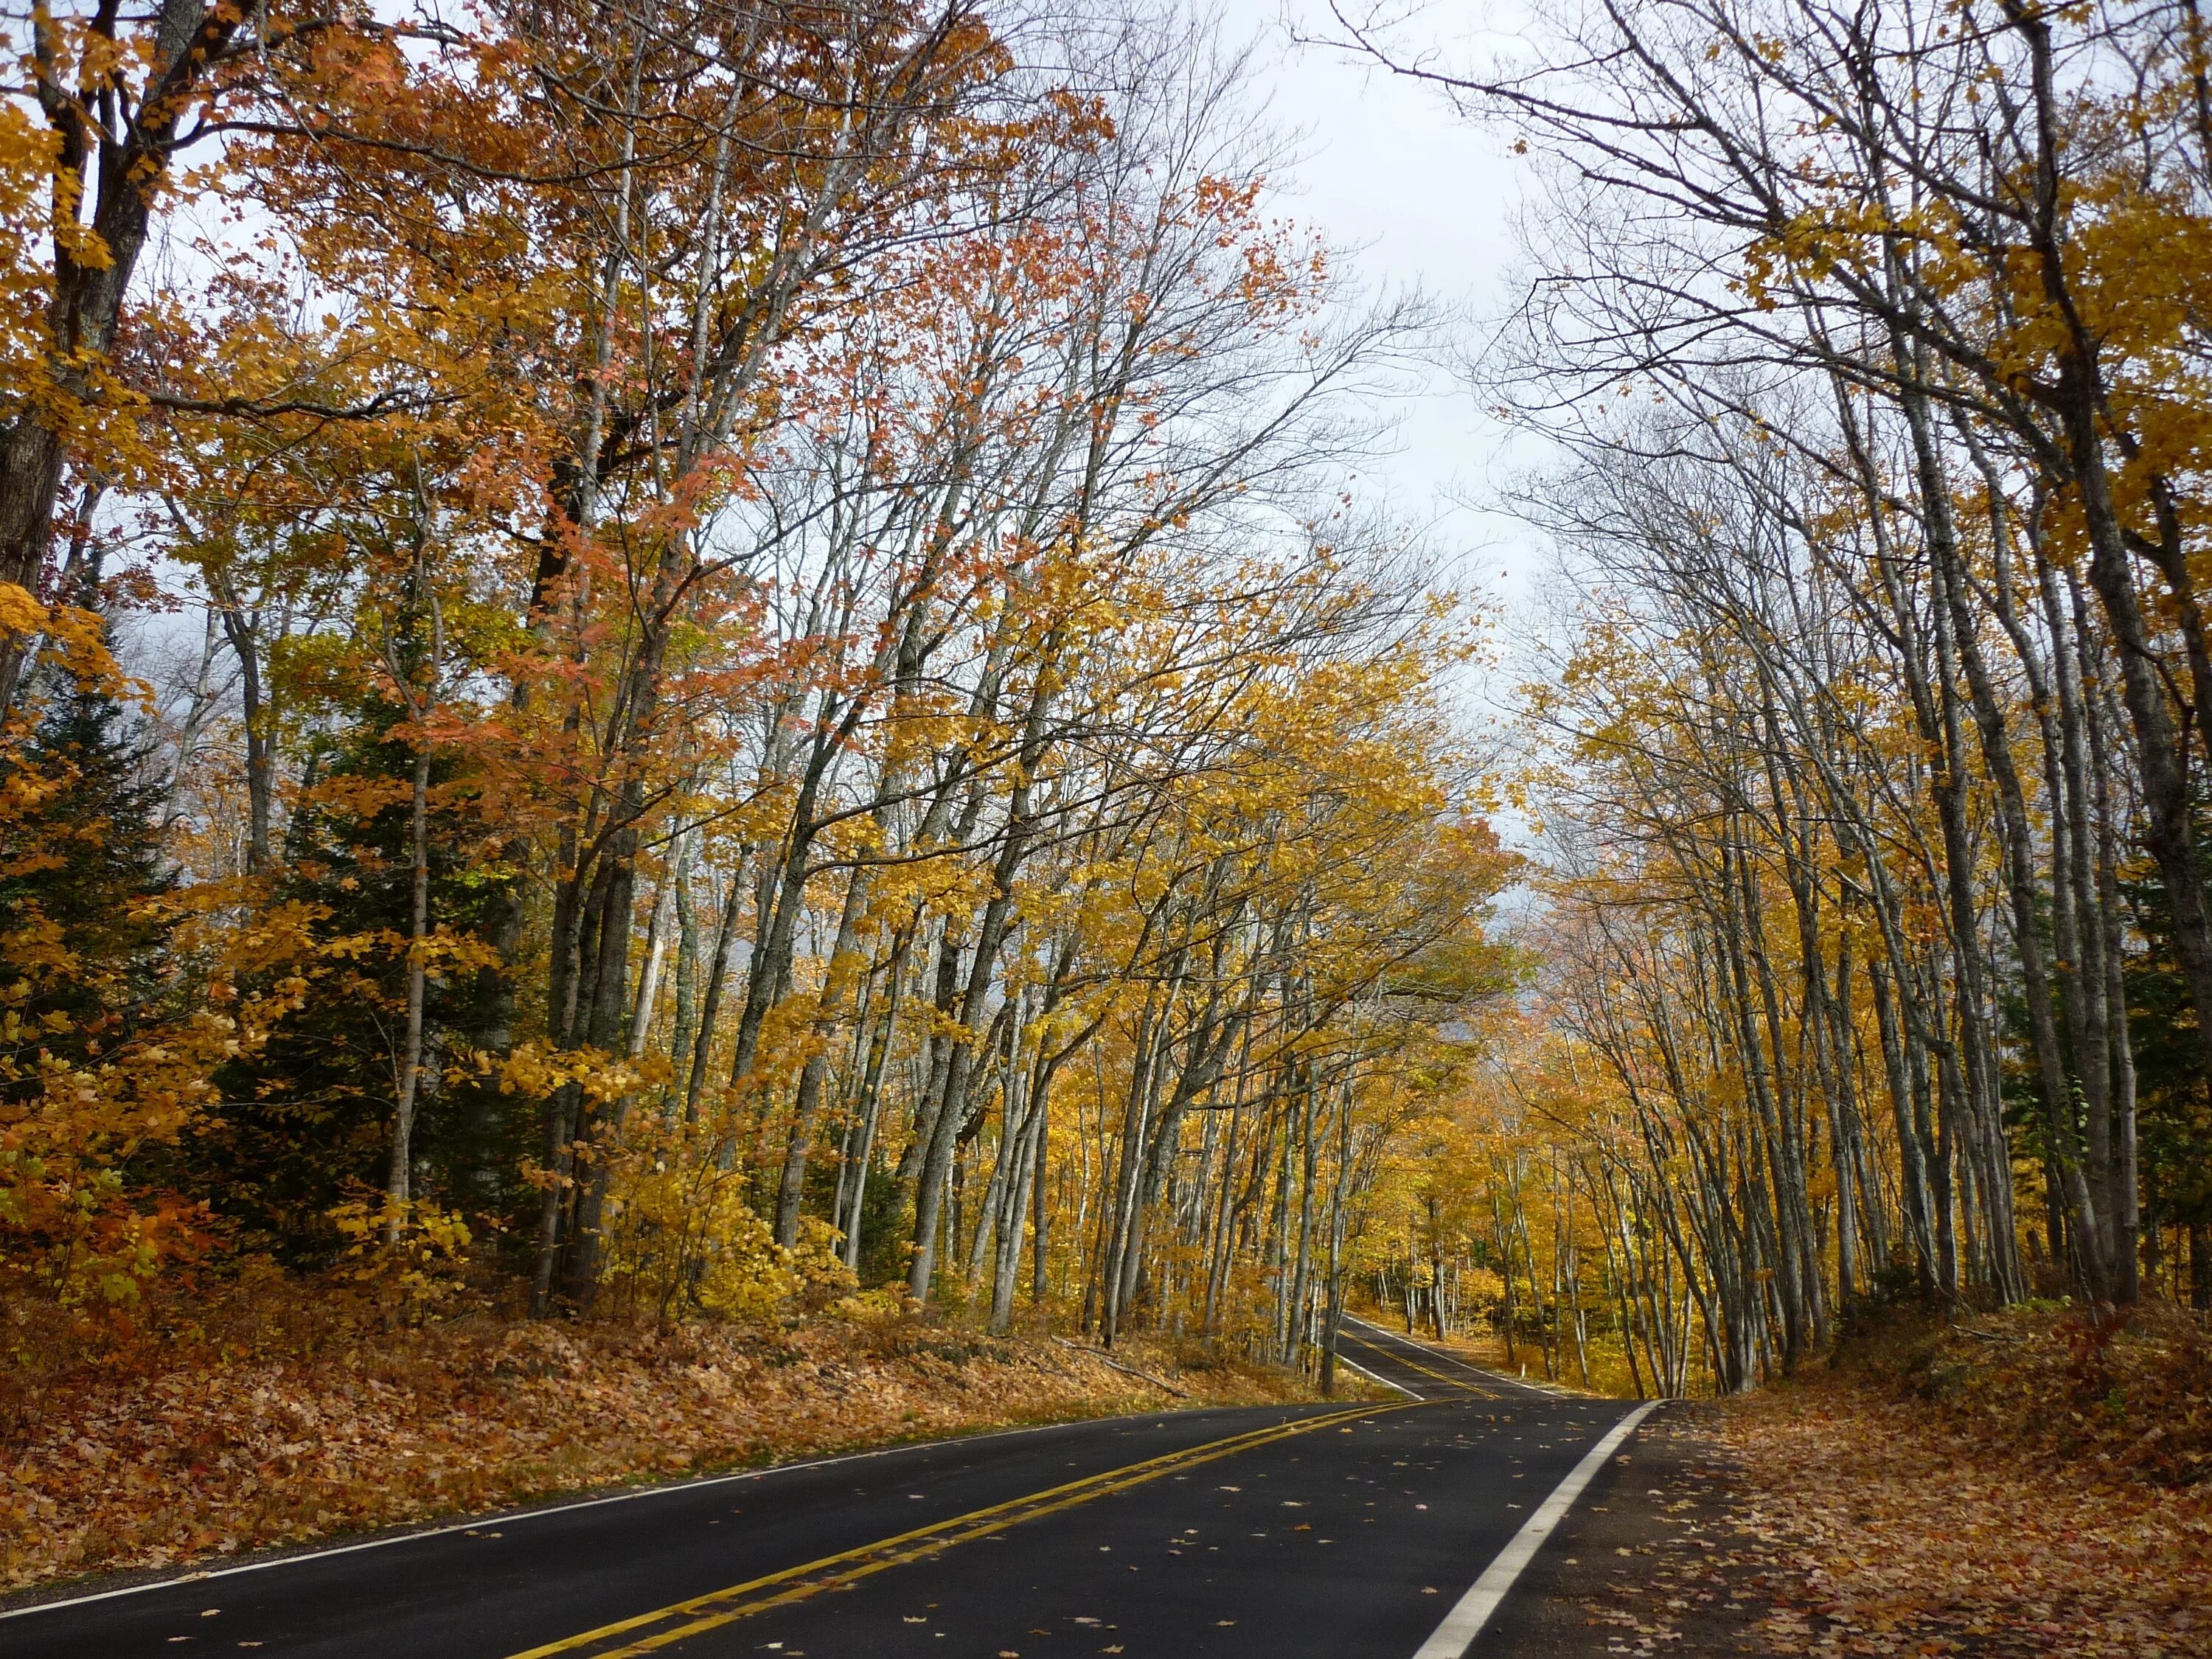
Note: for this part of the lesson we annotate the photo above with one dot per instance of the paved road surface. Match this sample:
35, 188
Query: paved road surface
1350, 1533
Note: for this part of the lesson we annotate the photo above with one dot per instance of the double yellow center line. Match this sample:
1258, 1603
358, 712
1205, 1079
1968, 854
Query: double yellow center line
1397, 1357
684, 1620
645, 1632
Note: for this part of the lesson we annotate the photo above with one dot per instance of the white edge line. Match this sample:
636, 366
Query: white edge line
1456, 1636
497, 1518
1487, 1375
1354, 1365
1369, 1329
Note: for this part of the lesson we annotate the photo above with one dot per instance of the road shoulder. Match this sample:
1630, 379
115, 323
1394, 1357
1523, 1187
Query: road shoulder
1648, 1560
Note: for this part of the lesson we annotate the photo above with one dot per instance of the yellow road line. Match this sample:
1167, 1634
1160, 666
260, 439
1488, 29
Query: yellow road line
718, 1607
1415, 1364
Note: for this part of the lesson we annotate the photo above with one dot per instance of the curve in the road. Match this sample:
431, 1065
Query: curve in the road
1382, 1352
1461, 1373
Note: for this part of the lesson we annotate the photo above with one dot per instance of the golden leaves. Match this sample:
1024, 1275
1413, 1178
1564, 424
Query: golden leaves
284, 1421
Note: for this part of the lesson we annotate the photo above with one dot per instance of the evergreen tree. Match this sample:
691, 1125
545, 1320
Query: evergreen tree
306, 1124
78, 864
2173, 1095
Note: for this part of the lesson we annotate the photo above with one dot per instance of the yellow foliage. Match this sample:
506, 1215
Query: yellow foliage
409, 1257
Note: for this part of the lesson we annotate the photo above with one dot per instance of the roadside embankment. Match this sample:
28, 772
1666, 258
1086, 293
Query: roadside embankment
150, 1455
2026, 1483
2032, 1482
2029, 1482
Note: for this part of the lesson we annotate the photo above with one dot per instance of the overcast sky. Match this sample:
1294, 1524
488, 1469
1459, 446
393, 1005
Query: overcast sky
1426, 199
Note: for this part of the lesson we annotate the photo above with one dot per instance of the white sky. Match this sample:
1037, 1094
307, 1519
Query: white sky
1426, 199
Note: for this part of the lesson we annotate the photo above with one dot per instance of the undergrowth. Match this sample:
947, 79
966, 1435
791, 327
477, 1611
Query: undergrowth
2127, 1398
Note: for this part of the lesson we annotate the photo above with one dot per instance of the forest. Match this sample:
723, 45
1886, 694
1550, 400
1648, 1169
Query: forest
665, 662
1865, 729
662, 660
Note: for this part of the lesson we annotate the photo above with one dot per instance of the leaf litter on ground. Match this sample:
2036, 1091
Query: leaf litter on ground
2018, 1484
171, 1453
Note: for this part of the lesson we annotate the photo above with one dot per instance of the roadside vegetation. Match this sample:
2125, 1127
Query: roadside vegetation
2015, 1483
1862, 735
282, 1416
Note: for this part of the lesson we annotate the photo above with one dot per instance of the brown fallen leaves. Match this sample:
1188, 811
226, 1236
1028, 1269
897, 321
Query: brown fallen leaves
2026, 1483
2010, 1485
209, 1447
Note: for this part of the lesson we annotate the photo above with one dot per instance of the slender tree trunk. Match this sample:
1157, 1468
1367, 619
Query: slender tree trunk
398, 1188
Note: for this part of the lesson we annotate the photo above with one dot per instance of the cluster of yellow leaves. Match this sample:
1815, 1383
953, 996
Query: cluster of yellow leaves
682, 1237
411, 1257
71, 1125
222, 1445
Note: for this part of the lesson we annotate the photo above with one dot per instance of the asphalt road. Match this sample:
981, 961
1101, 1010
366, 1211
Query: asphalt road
1344, 1532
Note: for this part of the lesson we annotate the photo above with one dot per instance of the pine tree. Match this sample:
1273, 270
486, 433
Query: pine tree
78, 865
306, 1124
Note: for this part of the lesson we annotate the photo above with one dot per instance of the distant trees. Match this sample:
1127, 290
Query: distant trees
1876, 767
